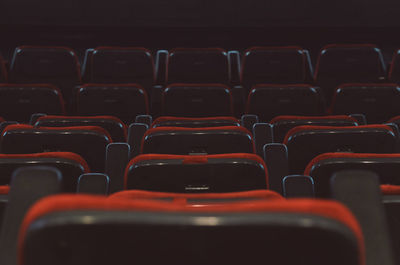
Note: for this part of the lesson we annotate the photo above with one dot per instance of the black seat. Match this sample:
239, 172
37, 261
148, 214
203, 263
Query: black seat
19, 101
306, 142
52, 65
275, 65
283, 124
184, 141
195, 122
209, 65
197, 100
88, 141
114, 126
124, 101
197, 174
338, 64
269, 101
113, 65
378, 102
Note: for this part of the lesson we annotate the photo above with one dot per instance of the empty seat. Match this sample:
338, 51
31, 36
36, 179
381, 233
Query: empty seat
19, 101
378, 102
88, 141
114, 126
394, 72
195, 122
338, 64
3, 70
208, 65
269, 101
322, 168
124, 101
160, 232
122, 65
208, 140
70, 165
40, 64
306, 142
198, 199
196, 100
269, 65
282, 124
194, 174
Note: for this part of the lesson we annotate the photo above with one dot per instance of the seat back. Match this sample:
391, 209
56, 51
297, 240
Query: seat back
197, 100
269, 65
338, 64
122, 65
195, 122
268, 101
306, 142
322, 168
197, 65
209, 140
19, 101
124, 101
88, 141
378, 102
154, 232
114, 126
283, 124
197, 174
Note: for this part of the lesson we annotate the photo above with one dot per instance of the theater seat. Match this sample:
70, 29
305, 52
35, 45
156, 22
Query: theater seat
194, 122
196, 174
114, 126
46, 64
208, 140
111, 65
197, 100
19, 101
199, 199
282, 124
322, 168
70, 165
3, 70
274, 65
198, 65
268, 101
394, 72
378, 102
124, 101
88, 141
306, 142
284, 232
345, 63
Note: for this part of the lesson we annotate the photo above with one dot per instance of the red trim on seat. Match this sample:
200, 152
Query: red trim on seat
312, 127
338, 46
50, 86
113, 118
71, 51
96, 129
190, 159
199, 85
266, 48
170, 118
65, 155
146, 97
289, 117
394, 119
327, 209
325, 156
4, 190
141, 194
390, 189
